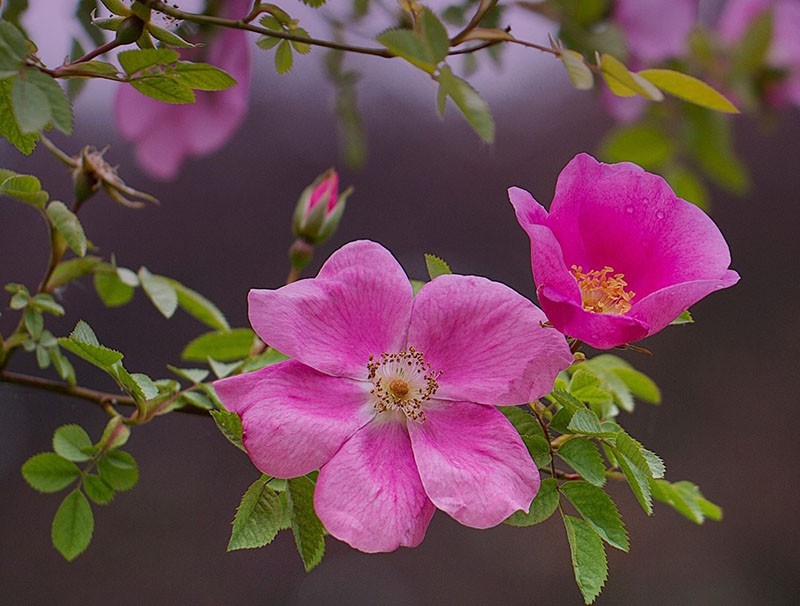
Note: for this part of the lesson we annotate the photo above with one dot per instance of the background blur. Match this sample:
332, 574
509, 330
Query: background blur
728, 422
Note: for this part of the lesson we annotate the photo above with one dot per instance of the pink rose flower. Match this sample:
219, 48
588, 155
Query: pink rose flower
784, 49
165, 135
391, 396
619, 256
655, 30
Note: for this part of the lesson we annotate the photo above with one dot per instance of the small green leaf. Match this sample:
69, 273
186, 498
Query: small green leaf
588, 558
584, 457
34, 322
283, 57
34, 87
586, 422
579, 73
160, 291
221, 369
268, 42
198, 306
309, 534
118, 469
202, 76
625, 83
166, 88
688, 88
113, 292
72, 442
436, 266
134, 61
230, 425
73, 526
67, 224
25, 188
647, 146
167, 37
193, 375
13, 48
542, 507
259, 517
638, 480
750, 52
301, 47
434, 34
599, 511
222, 345
83, 343
467, 99
531, 433
49, 472
710, 141
72, 269
97, 490
411, 47
9, 128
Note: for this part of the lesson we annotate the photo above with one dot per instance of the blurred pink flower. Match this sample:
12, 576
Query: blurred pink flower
391, 396
619, 256
655, 30
165, 135
784, 49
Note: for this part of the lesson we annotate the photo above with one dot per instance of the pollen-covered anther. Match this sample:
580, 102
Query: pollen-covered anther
603, 291
402, 381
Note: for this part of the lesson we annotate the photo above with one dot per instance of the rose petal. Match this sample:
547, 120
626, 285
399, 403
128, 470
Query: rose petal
294, 418
656, 29
370, 495
487, 340
359, 305
473, 463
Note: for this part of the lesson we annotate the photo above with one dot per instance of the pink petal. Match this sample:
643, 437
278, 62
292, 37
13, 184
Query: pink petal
737, 15
473, 463
656, 29
359, 305
370, 494
294, 418
487, 340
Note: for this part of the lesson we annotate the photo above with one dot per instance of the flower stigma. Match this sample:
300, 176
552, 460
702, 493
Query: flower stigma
603, 291
402, 381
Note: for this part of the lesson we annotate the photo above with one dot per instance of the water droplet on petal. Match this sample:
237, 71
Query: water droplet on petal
629, 210
660, 214
645, 201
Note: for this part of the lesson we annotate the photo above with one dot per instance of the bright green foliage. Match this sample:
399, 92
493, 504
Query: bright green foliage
73, 525
113, 292
309, 535
284, 60
160, 291
584, 457
542, 507
637, 472
468, 101
599, 511
223, 345
9, 129
193, 375
135, 61
72, 443
13, 49
625, 83
25, 188
424, 47
586, 422
621, 380
38, 100
221, 369
579, 73
685, 498
198, 306
49, 472
684, 318
230, 425
202, 76
436, 266
588, 557
688, 88
710, 143
164, 88
97, 490
118, 469
259, 517
72, 269
67, 224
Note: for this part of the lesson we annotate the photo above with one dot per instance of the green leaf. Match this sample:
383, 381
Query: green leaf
49, 472
72, 442
230, 425
309, 535
599, 511
97, 490
198, 306
39, 100
647, 146
584, 457
639, 384
221, 369
83, 343
542, 507
686, 499
688, 88
710, 141
434, 35
45, 303
167, 37
67, 224
411, 47
72, 269
193, 375
586, 422
436, 266
25, 188
625, 83
638, 480
202, 76
684, 318
283, 57
166, 88
134, 61
579, 73
531, 433
34, 322
160, 291
268, 42
222, 345
118, 469
467, 99
750, 53
13, 49
9, 128
148, 389
301, 47
269, 357
687, 185
73, 526
588, 558
259, 517
113, 292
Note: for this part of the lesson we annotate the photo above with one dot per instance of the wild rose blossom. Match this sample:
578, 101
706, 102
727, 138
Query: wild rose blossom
391, 396
784, 49
165, 135
619, 256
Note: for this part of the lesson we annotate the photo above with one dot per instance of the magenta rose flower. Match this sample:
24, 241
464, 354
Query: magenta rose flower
165, 135
619, 256
391, 396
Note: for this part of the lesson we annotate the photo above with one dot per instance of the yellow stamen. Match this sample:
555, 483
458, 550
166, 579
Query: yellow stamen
603, 291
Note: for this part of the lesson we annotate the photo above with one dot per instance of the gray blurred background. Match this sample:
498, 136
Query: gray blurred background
729, 420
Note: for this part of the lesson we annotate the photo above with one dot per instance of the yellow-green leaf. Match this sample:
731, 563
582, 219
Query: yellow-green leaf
688, 88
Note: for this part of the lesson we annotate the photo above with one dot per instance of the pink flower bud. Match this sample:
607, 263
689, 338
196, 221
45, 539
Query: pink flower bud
319, 208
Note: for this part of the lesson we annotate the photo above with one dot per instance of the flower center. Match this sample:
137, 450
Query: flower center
603, 291
402, 381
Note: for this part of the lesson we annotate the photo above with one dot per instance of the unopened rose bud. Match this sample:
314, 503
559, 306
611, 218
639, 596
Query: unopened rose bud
130, 30
320, 208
